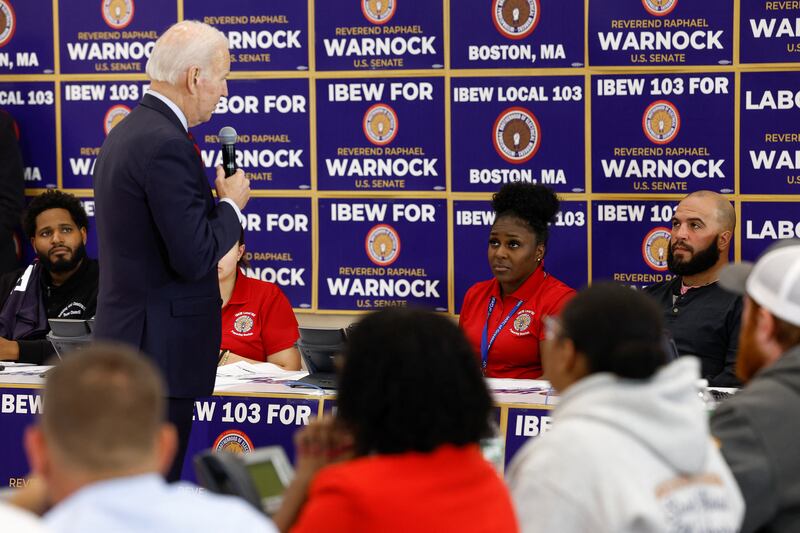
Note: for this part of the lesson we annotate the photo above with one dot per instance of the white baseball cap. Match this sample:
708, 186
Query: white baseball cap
773, 281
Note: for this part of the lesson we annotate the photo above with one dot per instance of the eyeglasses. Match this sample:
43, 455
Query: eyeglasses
552, 327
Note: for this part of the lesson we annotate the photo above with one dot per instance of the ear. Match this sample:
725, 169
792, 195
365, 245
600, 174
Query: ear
33, 245
241, 252
724, 240
84, 235
192, 79
540, 249
166, 446
36, 451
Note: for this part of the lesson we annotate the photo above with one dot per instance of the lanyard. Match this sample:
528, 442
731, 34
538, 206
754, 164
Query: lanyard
486, 343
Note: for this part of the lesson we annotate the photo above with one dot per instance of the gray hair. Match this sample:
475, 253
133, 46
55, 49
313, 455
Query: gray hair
184, 45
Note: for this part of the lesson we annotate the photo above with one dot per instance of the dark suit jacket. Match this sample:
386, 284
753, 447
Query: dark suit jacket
160, 236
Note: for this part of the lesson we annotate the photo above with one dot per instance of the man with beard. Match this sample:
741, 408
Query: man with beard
758, 428
60, 283
702, 317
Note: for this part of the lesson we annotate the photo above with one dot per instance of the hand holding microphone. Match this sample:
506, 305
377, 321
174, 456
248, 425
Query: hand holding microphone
231, 182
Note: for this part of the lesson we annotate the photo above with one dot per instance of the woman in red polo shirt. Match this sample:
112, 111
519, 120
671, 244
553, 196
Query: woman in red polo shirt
258, 323
502, 317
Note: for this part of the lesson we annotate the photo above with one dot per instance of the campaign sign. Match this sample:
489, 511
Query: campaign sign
769, 32
516, 33
89, 111
660, 32
379, 34
380, 134
662, 133
518, 129
271, 119
18, 410
630, 241
565, 258
26, 37
523, 425
770, 110
382, 253
111, 36
766, 222
32, 105
278, 245
240, 424
261, 35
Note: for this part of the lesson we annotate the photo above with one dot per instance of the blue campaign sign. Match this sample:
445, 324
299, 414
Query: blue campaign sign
382, 253
769, 32
111, 37
516, 34
380, 134
278, 245
660, 33
379, 34
266, 35
518, 129
630, 241
525, 424
271, 118
662, 133
765, 222
26, 37
241, 424
770, 110
18, 410
32, 105
89, 110
566, 256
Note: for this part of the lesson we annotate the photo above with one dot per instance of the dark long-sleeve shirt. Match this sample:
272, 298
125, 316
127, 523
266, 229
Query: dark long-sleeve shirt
705, 323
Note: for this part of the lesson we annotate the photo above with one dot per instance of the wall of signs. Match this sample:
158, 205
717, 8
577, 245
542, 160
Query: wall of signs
375, 131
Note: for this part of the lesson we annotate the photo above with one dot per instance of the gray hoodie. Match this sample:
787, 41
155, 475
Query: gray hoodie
627, 456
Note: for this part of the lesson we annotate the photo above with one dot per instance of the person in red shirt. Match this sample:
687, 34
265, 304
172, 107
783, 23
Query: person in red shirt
502, 317
402, 453
258, 323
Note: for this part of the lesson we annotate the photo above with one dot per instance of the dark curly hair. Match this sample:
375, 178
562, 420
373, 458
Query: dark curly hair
53, 199
537, 205
411, 382
618, 329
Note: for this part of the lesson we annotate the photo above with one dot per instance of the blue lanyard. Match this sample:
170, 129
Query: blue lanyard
486, 345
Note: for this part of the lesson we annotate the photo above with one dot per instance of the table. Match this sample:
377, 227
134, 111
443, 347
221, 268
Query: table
257, 412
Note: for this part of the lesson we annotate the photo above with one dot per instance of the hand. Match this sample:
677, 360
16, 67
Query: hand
9, 350
324, 441
235, 187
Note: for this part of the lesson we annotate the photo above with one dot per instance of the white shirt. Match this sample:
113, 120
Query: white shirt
148, 504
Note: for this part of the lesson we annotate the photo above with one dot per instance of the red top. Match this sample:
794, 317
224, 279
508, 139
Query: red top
515, 352
449, 489
258, 320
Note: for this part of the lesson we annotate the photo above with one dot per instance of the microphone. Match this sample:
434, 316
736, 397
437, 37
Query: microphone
227, 140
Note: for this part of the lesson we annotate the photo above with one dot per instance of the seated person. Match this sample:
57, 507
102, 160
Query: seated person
101, 446
502, 317
630, 448
702, 316
402, 452
61, 282
258, 323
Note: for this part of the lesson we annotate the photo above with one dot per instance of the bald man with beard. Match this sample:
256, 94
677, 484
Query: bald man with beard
702, 317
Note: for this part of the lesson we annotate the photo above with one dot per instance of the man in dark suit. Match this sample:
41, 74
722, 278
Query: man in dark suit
159, 230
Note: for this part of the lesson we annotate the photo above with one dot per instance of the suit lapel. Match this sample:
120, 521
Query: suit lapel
150, 101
